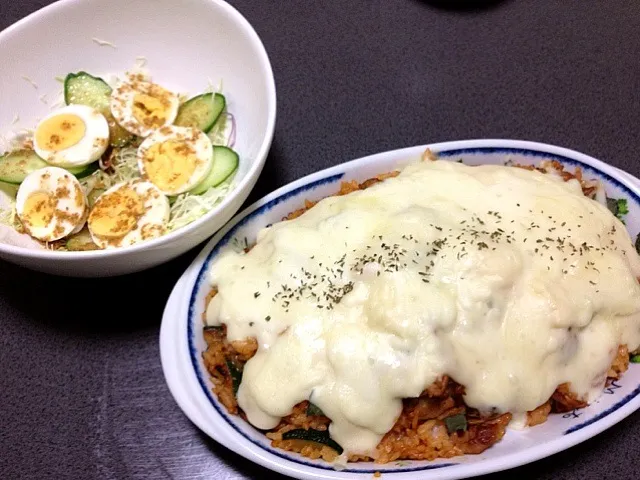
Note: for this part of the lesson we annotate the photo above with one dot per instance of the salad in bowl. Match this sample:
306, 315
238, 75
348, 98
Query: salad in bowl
118, 161
127, 140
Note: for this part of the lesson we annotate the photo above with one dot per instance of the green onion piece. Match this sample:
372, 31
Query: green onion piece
317, 436
456, 422
635, 359
213, 328
314, 410
618, 206
623, 208
236, 376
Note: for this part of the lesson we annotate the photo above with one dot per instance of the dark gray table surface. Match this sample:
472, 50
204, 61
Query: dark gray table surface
82, 393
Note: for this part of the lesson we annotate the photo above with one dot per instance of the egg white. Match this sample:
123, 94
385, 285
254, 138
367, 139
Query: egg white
90, 147
122, 103
192, 137
70, 208
155, 216
83, 220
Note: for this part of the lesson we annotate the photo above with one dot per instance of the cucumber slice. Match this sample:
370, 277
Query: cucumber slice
93, 196
314, 436
9, 189
118, 136
76, 170
83, 171
84, 89
201, 112
16, 165
225, 162
81, 242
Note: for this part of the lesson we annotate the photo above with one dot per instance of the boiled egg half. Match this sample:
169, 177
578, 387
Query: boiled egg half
175, 159
71, 136
141, 107
128, 213
51, 204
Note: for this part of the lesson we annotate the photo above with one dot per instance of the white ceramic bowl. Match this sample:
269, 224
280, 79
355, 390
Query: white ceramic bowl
187, 44
181, 339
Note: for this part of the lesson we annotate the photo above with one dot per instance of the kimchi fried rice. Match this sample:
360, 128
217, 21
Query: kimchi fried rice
437, 424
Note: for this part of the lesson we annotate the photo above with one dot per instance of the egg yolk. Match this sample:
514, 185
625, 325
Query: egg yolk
116, 214
170, 164
38, 209
151, 109
60, 132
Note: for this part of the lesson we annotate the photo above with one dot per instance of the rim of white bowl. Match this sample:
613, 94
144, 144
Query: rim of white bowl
194, 402
260, 157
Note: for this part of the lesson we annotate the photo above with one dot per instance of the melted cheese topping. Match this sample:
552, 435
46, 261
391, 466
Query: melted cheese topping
510, 281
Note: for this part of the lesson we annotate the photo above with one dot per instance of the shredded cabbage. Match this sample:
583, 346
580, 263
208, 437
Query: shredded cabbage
8, 205
7, 215
221, 131
125, 168
188, 207
125, 165
27, 79
211, 88
15, 140
103, 43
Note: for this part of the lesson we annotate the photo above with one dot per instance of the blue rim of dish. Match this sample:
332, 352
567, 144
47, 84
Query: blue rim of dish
195, 354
